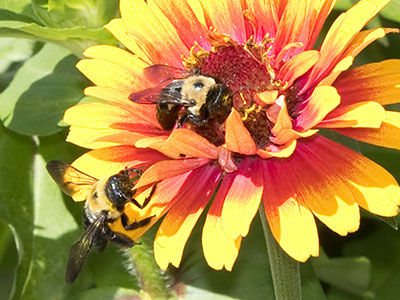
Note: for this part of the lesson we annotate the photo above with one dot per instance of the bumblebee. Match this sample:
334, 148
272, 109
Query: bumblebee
201, 98
105, 202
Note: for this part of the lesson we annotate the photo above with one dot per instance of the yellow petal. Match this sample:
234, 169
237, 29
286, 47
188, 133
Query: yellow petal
147, 24
180, 220
118, 29
358, 115
243, 198
290, 221
322, 101
388, 135
219, 250
379, 82
118, 56
373, 187
105, 73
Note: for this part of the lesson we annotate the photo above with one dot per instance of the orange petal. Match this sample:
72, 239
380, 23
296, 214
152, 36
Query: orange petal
326, 195
266, 97
243, 198
291, 24
226, 16
341, 66
169, 168
298, 66
373, 187
237, 137
388, 135
290, 221
340, 35
379, 82
180, 220
322, 101
279, 151
219, 250
283, 120
263, 26
118, 29
362, 114
105, 162
364, 38
187, 142
285, 136
182, 17
147, 24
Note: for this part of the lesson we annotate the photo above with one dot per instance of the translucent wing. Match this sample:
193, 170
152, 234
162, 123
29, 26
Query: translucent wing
162, 73
81, 249
72, 181
147, 96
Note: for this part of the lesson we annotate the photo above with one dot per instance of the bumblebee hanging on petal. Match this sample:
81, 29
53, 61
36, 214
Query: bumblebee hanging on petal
202, 98
105, 203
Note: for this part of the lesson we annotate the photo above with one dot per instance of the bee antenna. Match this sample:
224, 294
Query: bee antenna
240, 89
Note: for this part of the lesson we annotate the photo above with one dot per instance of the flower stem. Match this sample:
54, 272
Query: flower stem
285, 270
152, 281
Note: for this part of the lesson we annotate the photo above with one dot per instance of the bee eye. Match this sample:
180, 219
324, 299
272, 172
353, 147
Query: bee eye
198, 85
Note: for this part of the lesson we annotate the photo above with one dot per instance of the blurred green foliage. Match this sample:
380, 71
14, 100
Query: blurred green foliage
41, 42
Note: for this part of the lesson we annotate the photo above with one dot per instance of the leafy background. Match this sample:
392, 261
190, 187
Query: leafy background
41, 42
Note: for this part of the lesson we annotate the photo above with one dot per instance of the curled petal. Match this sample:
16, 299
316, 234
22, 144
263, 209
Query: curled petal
189, 143
282, 151
169, 168
266, 97
322, 101
297, 66
237, 137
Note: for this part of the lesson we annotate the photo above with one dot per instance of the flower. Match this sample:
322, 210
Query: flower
268, 147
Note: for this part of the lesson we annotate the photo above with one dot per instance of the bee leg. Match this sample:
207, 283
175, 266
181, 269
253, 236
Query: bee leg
147, 200
122, 240
134, 225
183, 120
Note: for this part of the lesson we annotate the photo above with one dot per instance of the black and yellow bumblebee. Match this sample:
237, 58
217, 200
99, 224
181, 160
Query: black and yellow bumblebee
181, 96
105, 203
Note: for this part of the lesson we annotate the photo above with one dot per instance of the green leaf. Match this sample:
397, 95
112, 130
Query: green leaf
16, 205
76, 37
22, 7
392, 11
382, 247
14, 50
41, 91
69, 13
349, 274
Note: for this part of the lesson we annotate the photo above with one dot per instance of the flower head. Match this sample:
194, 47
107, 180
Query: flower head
266, 146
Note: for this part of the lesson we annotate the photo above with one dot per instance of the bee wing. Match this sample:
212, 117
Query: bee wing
147, 96
72, 181
161, 73
80, 250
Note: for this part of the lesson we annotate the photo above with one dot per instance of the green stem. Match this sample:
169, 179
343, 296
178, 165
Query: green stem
152, 280
285, 270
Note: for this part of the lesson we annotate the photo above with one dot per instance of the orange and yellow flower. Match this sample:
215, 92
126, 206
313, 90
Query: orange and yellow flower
268, 149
